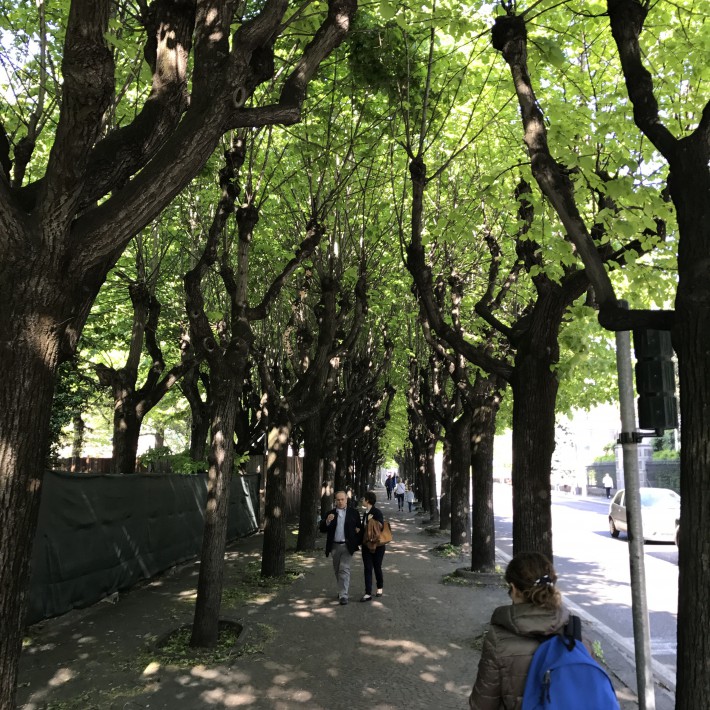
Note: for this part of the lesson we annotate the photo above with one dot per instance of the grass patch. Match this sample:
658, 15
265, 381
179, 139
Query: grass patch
251, 584
455, 580
175, 649
447, 551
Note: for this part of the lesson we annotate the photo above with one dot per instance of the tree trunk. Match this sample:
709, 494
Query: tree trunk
483, 429
534, 393
273, 558
28, 361
431, 477
447, 474
205, 627
311, 488
419, 461
126, 432
460, 476
691, 338
199, 412
77, 445
341, 470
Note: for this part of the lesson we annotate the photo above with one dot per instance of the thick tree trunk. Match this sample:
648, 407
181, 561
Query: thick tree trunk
534, 393
126, 432
447, 474
273, 558
311, 488
28, 361
693, 681
205, 627
460, 476
483, 429
691, 339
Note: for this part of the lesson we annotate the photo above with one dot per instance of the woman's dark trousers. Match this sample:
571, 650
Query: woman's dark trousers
370, 560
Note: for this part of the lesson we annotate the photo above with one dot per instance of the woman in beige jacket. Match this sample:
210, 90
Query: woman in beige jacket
515, 632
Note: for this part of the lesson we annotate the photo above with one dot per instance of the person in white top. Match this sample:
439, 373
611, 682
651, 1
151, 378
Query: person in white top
608, 484
409, 497
399, 491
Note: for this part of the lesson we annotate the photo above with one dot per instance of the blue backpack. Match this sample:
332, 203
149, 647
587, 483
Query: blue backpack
564, 676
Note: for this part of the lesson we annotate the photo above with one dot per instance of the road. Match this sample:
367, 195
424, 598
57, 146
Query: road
593, 571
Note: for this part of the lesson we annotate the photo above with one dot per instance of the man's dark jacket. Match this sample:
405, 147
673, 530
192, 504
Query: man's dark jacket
352, 521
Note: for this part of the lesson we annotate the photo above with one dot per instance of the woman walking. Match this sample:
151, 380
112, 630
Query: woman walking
515, 632
399, 491
372, 552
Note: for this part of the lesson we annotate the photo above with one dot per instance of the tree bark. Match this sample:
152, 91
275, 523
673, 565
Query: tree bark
534, 393
460, 476
273, 556
311, 488
205, 626
28, 358
431, 478
447, 475
483, 429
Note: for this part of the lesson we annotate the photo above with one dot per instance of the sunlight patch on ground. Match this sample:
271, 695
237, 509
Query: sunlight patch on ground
404, 650
63, 675
217, 696
152, 668
87, 639
204, 672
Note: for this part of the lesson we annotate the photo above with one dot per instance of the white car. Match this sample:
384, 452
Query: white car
660, 509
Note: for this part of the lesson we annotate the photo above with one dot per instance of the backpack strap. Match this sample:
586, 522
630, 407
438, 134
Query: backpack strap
572, 632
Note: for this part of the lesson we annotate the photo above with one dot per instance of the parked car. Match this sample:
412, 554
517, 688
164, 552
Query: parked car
660, 509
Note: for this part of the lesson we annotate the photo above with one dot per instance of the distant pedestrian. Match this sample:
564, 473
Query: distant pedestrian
399, 491
515, 632
409, 497
389, 485
608, 484
372, 552
342, 526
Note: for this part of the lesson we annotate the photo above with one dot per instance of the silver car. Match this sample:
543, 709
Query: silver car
660, 509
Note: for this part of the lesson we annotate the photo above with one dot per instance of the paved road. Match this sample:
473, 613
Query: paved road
594, 575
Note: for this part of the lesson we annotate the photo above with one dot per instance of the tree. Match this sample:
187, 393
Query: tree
66, 217
688, 186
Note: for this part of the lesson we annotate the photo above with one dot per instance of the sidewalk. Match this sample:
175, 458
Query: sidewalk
416, 647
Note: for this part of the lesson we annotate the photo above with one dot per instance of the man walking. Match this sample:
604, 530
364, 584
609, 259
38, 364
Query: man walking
342, 526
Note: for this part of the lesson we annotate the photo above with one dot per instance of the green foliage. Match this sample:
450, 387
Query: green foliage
71, 397
666, 455
161, 458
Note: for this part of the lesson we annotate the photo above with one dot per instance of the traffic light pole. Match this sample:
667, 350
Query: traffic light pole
629, 442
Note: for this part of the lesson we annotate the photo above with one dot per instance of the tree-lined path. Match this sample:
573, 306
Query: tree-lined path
416, 647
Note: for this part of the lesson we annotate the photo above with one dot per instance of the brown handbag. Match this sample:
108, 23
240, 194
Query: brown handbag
386, 534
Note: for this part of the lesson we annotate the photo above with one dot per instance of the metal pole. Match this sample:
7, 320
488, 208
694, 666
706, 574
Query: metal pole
639, 606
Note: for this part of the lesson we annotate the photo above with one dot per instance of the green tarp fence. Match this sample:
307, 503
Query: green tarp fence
100, 533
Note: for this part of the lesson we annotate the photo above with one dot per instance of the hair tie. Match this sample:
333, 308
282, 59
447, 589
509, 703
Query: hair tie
544, 580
